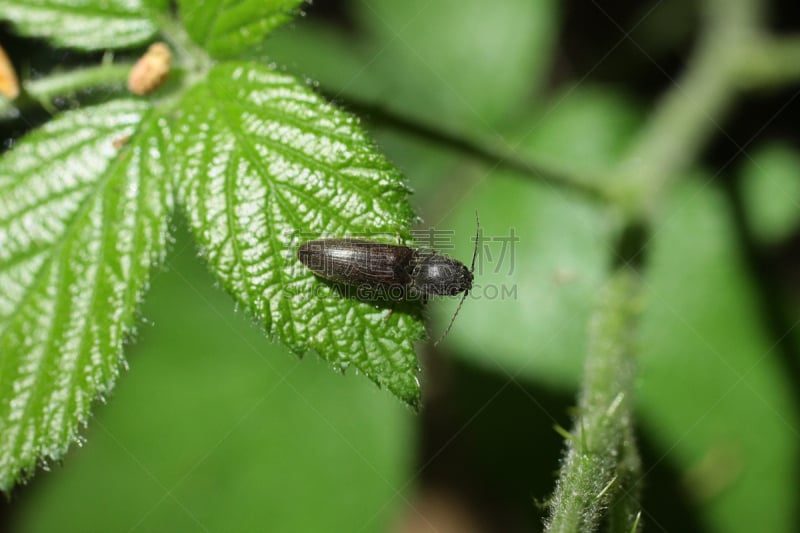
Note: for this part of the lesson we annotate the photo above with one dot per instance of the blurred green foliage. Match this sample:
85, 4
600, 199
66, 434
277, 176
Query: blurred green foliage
771, 189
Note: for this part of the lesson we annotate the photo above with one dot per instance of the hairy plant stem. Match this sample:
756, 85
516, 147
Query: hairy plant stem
601, 459
599, 475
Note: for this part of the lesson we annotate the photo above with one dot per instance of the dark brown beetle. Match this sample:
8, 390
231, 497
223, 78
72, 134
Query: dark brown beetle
396, 272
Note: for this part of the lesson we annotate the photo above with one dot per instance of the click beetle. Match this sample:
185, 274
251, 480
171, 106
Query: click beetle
392, 271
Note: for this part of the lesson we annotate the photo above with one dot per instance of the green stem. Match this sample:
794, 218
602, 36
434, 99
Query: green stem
688, 115
592, 475
625, 509
189, 56
111, 77
770, 62
490, 153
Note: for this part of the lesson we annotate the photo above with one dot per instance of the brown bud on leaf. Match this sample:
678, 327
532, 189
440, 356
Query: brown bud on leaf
151, 70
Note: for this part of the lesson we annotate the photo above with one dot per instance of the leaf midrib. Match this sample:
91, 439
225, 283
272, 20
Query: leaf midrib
256, 161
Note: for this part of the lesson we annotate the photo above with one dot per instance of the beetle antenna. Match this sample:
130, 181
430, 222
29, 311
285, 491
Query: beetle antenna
472, 269
477, 236
450, 325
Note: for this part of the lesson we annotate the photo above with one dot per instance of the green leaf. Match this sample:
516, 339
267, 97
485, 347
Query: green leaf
82, 221
85, 24
470, 64
712, 392
771, 192
227, 28
265, 163
213, 416
586, 127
